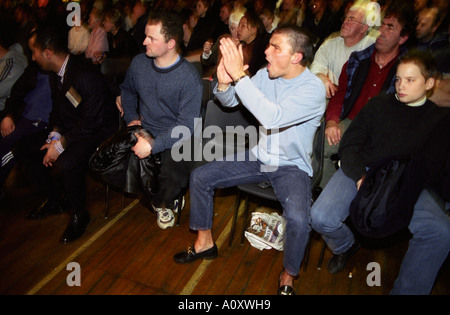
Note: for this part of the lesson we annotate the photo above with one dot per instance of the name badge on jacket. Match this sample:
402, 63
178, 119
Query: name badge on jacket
73, 96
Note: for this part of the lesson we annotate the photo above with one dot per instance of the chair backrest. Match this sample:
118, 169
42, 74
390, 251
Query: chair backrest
318, 155
114, 69
220, 116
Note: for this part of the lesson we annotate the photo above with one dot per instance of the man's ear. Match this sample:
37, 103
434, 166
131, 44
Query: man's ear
403, 39
429, 84
172, 43
297, 57
365, 28
48, 54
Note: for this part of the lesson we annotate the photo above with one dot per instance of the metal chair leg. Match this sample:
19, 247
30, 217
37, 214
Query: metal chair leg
180, 201
322, 253
245, 219
306, 255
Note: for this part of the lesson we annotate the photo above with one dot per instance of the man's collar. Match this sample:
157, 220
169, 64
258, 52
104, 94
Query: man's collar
62, 71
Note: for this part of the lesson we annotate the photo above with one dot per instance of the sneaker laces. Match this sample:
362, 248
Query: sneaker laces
164, 214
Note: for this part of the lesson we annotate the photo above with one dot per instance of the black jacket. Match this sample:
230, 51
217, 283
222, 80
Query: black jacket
93, 115
118, 166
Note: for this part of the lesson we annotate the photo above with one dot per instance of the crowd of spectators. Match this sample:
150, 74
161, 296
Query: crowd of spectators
116, 27
348, 54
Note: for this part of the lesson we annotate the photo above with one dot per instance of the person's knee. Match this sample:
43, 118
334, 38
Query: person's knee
322, 220
298, 217
197, 178
438, 230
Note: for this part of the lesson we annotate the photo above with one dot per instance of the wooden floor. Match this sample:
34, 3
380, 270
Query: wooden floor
127, 254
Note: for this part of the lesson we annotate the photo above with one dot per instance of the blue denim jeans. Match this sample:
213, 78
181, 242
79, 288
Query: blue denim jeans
427, 249
291, 185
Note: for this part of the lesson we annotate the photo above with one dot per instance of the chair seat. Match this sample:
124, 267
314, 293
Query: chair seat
257, 190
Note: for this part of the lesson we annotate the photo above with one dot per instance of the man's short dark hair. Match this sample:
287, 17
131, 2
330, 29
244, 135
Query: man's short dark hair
300, 41
254, 20
171, 24
52, 37
405, 15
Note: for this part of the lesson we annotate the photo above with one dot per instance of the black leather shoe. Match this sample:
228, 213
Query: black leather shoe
45, 210
285, 289
191, 255
76, 227
338, 262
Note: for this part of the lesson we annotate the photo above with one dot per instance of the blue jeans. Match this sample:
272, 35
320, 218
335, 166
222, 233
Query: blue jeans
291, 185
427, 249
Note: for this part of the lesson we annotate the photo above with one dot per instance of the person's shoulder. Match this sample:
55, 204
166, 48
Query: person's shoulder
332, 40
16, 53
82, 72
382, 103
311, 78
188, 68
308, 82
79, 64
140, 58
138, 62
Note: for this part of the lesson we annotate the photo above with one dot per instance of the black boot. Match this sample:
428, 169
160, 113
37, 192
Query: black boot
76, 227
338, 262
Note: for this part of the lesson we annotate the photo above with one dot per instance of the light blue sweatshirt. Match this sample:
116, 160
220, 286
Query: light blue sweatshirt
289, 112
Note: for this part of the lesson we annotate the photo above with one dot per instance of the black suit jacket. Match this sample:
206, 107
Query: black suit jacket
92, 115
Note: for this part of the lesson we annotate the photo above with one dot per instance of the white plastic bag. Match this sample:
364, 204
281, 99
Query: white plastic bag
266, 231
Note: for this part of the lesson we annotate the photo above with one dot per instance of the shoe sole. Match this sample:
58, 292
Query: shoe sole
164, 226
191, 261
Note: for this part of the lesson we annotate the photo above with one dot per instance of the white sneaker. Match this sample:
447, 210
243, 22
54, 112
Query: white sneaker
165, 218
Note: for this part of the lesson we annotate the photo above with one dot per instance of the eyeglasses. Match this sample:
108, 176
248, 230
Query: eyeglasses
351, 19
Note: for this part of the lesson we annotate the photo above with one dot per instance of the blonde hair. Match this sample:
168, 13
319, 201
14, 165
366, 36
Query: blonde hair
235, 17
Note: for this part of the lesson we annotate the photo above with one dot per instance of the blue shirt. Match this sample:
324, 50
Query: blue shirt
38, 102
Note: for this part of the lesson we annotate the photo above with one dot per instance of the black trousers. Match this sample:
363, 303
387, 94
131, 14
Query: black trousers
67, 175
173, 178
24, 127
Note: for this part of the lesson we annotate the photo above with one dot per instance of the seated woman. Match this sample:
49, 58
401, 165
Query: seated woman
120, 42
98, 43
203, 28
254, 39
210, 53
395, 125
